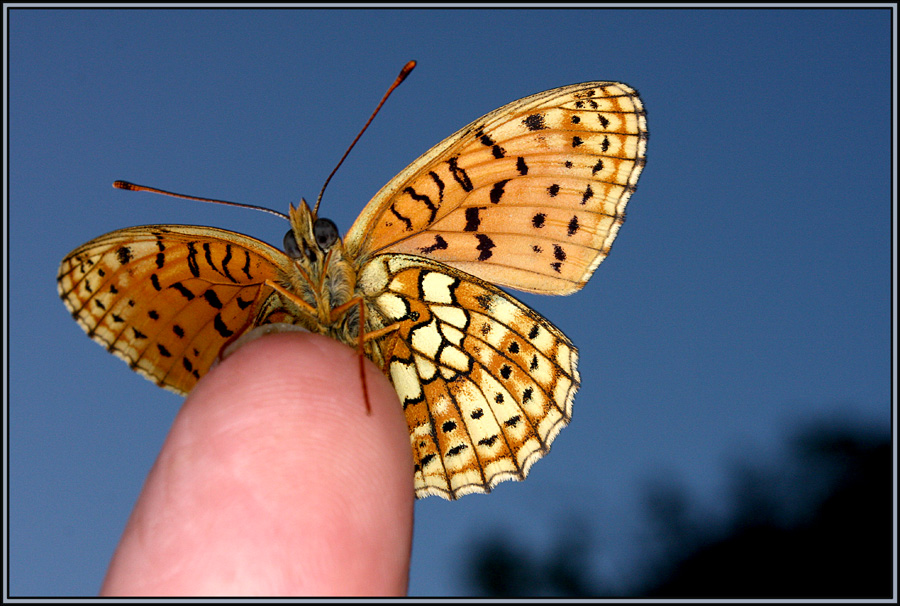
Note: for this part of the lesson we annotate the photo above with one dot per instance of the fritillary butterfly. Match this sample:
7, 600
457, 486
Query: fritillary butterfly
530, 196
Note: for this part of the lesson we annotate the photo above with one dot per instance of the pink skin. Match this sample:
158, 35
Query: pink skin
274, 481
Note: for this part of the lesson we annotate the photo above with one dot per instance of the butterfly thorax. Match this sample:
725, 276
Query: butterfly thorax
321, 276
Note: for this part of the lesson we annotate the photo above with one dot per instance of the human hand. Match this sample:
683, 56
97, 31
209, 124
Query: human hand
274, 481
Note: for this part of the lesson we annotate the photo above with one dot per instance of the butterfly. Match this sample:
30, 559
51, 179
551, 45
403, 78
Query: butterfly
529, 196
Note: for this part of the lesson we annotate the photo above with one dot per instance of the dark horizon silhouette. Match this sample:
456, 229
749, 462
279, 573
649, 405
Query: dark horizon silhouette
819, 525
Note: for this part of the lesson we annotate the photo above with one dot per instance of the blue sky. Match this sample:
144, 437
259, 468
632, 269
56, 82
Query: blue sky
747, 293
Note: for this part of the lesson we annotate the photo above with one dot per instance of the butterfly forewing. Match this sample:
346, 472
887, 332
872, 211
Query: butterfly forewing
486, 383
167, 298
529, 196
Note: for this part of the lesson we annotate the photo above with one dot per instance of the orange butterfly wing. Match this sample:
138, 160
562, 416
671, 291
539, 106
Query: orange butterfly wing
168, 298
486, 383
529, 196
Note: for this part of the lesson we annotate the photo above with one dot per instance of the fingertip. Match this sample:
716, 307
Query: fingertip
274, 452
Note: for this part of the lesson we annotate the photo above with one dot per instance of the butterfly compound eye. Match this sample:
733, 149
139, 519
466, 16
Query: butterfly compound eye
326, 233
290, 245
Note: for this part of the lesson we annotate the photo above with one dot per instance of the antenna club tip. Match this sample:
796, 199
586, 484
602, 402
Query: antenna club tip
124, 185
407, 68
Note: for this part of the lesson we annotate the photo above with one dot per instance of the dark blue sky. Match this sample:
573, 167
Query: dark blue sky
748, 291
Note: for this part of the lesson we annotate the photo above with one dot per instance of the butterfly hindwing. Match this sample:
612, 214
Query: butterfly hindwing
167, 298
486, 383
529, 196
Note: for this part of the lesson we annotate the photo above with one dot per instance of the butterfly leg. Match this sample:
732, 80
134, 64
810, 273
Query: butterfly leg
362, 337
292, 298
360, 350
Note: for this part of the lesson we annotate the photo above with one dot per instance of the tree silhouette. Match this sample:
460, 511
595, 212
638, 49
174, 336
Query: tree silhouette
817, 526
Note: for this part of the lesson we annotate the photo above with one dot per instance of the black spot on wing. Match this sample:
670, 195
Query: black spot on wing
497, 191
424, 199
406, 221
212, 298
220, 326
225, 262
124, 255
534, 122
192, 259
183, 291
588, 194
488, 441
439, 244
440, 185
485, 244
207, 254
521, 166
459, 174
486, 140
473, 221
485, 301
573, 226
456, 450
246, 267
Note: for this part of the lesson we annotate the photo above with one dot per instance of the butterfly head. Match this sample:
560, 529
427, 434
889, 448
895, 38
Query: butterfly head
310, 238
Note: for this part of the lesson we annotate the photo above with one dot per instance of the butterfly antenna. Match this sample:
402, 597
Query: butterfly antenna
400, 78
133, 187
